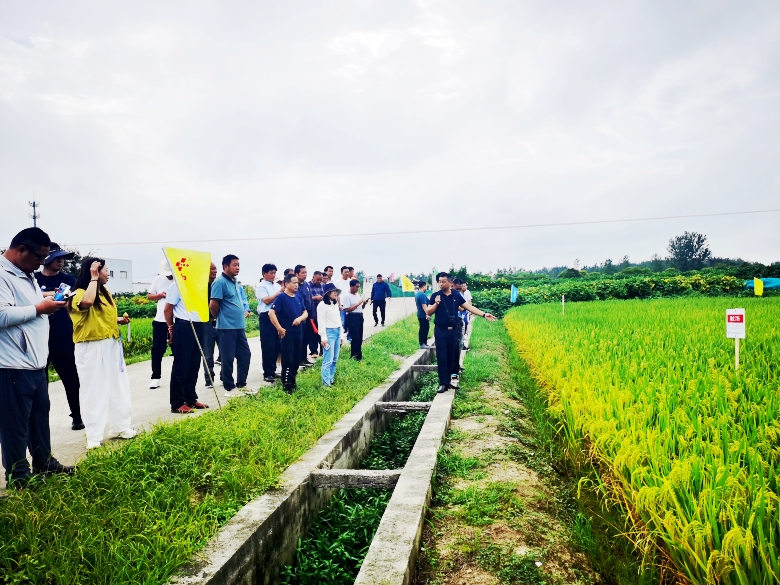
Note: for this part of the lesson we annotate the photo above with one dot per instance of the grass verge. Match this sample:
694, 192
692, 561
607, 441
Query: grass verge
135, 513
506, 507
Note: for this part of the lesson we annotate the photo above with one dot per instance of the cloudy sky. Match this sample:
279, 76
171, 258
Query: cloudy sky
164, 121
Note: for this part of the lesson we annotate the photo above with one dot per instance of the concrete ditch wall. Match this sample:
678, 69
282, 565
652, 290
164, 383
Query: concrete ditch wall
256, 544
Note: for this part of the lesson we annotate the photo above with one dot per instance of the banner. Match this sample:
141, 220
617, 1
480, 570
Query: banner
392, 277
513, 294
758, 286
406, 284
191, 274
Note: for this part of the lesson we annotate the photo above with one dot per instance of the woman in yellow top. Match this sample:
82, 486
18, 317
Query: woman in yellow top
105, 387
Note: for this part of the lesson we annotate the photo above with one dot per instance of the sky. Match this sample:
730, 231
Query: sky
147, 122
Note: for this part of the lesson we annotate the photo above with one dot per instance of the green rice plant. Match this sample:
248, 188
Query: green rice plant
135, 512
689, 447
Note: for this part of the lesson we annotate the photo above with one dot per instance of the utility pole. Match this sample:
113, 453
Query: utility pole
35, 215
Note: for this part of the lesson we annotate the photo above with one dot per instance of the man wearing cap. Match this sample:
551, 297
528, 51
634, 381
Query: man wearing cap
61, 347
24, 382
157, 292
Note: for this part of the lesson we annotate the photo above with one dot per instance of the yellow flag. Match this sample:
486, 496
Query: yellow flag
191, 274
406, 284
758, 286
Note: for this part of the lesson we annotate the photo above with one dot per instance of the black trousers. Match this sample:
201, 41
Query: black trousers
62, 358
381, 305
306, 329
425, 327
314, 338
159, 345
186, 361
292, 347
233, 346
24, 421
209, 341
269, 344
355, 324
447, 353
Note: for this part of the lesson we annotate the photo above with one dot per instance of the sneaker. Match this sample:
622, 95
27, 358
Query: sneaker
155, 383
55, 468
425, 346
269, 379
198, 405
91, 446
442, 389
128, 434
376, 324
455, 376
233, 393
208, 385
77, 425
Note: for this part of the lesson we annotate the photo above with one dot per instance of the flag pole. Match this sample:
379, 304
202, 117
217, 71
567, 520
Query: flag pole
205, 363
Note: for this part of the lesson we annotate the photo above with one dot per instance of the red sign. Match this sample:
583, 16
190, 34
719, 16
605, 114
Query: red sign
735, 318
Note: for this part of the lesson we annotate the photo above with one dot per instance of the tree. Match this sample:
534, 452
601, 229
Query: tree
688, 251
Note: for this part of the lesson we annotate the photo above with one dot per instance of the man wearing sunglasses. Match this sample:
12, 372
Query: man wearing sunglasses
24, 350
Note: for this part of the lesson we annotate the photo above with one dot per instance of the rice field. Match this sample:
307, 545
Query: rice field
687, 445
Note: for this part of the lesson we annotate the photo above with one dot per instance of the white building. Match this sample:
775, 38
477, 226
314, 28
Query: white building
121, 275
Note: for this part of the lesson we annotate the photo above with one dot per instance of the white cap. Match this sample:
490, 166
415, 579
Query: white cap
165, 268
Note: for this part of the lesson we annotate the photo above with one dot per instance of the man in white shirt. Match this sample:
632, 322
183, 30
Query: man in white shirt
186, 354
157, 292
353, 305
270, 345
343, 285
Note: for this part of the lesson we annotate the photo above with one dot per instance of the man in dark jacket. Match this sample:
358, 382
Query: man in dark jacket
304, 292
380, 293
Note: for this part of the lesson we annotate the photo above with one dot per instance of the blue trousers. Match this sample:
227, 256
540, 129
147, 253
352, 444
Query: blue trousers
233, 346
447, 353
331, 356
24, 421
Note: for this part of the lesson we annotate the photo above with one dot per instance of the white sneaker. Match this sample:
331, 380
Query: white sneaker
233, 393
128, 434
91, 446
154, 384
249, 391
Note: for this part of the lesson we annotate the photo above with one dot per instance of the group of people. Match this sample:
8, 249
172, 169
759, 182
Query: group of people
77, 332
49, 317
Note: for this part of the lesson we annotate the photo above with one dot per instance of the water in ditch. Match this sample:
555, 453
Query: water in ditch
333, 550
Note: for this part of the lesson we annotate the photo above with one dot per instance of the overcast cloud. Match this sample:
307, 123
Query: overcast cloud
150, 121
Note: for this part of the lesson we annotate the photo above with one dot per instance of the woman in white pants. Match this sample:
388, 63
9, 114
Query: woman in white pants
105, 388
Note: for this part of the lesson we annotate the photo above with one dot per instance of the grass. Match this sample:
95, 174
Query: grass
685, 445
334, 549
506, 492
136, 513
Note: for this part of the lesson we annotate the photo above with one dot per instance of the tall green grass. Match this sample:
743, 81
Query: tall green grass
137, 512
687, 445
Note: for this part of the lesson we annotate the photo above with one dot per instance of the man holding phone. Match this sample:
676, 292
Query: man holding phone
61, 347
24, 382
445, 304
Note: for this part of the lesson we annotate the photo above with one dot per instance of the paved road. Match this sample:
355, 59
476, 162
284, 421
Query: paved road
151, 406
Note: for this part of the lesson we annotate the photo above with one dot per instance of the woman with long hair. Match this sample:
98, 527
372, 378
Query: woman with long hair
105, 387
329, 321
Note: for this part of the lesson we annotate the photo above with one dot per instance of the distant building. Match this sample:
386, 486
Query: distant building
141, 287
121, 275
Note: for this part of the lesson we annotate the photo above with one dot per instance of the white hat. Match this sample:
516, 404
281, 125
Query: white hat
165, 268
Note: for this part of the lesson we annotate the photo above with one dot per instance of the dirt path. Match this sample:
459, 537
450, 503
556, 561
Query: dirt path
499, 514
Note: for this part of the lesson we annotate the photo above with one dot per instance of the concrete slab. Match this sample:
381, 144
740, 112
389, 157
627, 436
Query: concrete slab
355, 478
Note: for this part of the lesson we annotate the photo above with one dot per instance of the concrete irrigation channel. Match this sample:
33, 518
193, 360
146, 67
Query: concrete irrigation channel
261, 539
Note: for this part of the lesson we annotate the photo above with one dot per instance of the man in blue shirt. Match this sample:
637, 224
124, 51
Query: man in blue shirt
304, 292
288, 315
445, 305
227, 307
421, 300
380, 292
